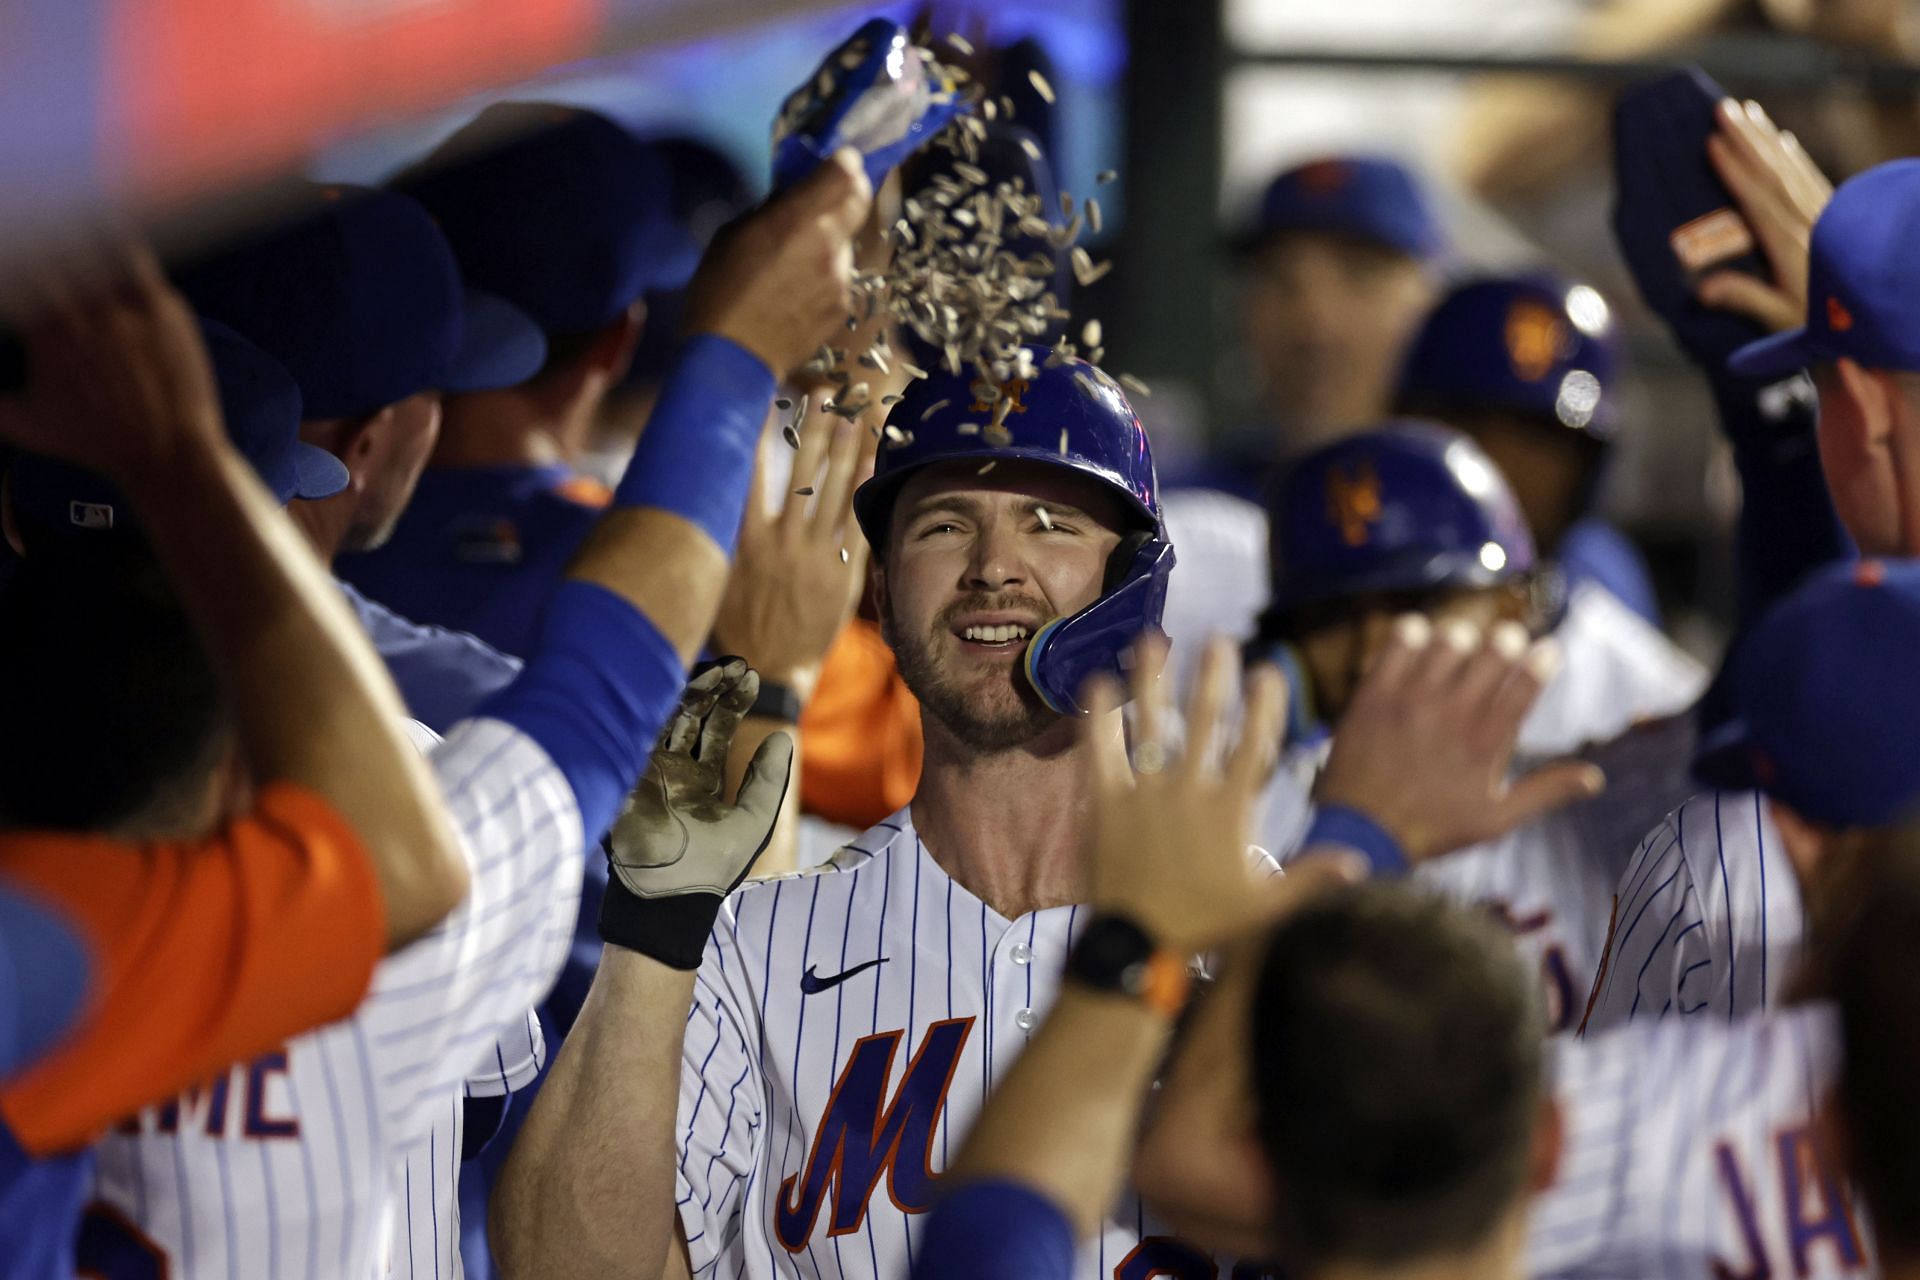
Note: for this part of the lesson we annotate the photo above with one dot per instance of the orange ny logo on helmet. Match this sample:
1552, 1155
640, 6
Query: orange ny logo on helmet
1011, 392
1839, 319
1536, 336
1353, 501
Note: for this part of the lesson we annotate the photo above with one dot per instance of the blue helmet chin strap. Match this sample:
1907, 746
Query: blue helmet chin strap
1065, 653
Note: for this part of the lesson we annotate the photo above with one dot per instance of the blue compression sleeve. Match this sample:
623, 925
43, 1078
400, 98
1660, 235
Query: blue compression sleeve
594, 695
45, 970
996, 1229
695, 458
1337, 824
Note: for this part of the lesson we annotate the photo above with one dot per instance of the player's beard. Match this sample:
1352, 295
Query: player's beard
996, 710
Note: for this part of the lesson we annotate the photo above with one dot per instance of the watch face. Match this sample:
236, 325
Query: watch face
1112, 955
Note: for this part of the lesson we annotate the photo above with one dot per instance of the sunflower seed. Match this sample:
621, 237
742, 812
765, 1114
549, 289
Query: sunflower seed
1105, 176
1040, 86
1063, 442
1092, 207
1134, 385
960, 43
988, 109
791, 436
933, 408
1085, 384
997, 436
782, 402
1031, 147
967, 429
1046, 519
1090, 334
843, 555
982, 471
804, 491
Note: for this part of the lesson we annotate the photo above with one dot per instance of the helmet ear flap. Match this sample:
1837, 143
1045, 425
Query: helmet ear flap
1120, 562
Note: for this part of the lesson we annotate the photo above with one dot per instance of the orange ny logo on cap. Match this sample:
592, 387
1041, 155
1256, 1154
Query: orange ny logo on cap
1353, 502
1011, 392
1323, 177
1536, 336
1839, 319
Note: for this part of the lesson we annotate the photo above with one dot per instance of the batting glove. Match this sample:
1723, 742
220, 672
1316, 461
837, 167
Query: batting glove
680, 848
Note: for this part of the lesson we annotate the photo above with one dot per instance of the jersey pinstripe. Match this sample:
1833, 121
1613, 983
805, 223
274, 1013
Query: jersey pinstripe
1709, 920
287, 1166
1550, 882
848, 1024
1689, 1152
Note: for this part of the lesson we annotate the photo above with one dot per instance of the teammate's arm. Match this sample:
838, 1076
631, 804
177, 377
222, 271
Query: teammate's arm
120, 384
589, 1188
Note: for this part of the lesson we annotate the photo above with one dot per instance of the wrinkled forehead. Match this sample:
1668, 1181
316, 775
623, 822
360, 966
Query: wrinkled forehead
1010, 483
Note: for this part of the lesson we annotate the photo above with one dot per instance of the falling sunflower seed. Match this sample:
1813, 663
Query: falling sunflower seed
1092, 208
982, 471
1046, 517
804, 491
896, 435
1031, 147
960, 43
782, 403
1106, 175
932, 409
791, 436
1090, 334
843, 555
1134, 385
1041, 87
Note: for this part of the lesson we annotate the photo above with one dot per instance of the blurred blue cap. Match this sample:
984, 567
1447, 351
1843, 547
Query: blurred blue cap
1826, 698
358, 295
1863, 281
1404, 506
1530, 344
557, 209
261, 406
1367, 197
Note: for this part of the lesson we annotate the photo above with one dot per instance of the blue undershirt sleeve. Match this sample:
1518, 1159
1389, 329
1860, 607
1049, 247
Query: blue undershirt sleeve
996, 1229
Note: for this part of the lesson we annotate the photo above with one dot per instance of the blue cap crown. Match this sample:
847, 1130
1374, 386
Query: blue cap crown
1530, 344
1071, 416
358, 295
1369, 197
1863, 281
1407, 506
261, 407
557, 209
1827, 695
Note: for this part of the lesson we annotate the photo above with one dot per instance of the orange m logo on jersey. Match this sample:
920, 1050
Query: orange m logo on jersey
1536, 335
1353, 502
864, 1135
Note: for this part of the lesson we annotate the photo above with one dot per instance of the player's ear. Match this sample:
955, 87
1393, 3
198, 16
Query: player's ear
877, 584
1549, 1140
359, 442
612, 351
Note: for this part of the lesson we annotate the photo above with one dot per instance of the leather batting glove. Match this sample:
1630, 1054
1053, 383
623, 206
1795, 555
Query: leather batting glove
680, 848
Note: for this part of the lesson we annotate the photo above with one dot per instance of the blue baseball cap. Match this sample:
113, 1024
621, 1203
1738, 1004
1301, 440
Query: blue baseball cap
358, 295
1368, 197
1863, 298
1531, 344
1826, 695
557, 209
261, 405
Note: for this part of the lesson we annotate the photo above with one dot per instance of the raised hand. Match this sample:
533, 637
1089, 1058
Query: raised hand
1169, 837
798, 571
679, 836
1426, 744
778, 280
1781, 193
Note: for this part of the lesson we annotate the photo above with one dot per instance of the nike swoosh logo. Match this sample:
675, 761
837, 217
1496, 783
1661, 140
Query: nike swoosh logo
812, 984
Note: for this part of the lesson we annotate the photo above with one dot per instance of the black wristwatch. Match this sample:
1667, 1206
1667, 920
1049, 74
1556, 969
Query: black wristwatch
1116, 955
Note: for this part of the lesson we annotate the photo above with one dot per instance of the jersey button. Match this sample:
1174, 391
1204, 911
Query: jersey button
1026, 1020
1022, 953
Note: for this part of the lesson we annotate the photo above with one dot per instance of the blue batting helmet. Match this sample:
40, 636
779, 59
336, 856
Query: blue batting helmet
1531, 344
1071, 416
1407, 506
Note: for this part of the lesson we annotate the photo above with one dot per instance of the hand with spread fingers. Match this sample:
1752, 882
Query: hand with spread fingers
1425, 748
1781, 193
680, 848
799, 570
1169, 841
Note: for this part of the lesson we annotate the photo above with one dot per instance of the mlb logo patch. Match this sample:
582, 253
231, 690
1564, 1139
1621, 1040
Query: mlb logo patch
490, 542
89, 515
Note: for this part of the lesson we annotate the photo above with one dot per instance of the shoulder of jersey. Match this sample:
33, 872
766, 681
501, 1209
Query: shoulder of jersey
845, 858
1631, 636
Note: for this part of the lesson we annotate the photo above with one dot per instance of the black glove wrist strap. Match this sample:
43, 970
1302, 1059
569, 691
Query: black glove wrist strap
671, 930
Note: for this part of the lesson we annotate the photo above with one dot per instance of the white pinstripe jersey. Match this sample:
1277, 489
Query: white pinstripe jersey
1550, 882
287, 1166
847, 1025
1708, 918
1689, 1154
